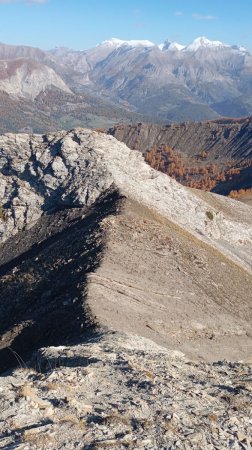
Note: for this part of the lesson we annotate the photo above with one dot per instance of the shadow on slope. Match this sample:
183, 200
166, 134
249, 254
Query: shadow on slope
43, 278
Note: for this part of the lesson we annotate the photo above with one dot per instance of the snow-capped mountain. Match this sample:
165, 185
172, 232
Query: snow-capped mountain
170, 81
171, 46
203, 42
204, 79
198, 43
115, 43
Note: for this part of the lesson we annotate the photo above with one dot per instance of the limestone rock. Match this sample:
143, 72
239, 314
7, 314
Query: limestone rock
73, 169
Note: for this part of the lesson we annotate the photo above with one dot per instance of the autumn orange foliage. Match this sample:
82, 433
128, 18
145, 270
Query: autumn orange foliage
240, 193
201, 176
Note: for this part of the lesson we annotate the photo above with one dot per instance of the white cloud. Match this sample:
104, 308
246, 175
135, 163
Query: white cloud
203, 17
178, 13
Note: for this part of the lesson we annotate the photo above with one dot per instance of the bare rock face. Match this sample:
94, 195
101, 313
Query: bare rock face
220, 139
27, 78
43, 173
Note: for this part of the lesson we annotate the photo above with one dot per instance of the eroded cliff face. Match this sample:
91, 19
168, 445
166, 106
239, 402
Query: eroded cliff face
221, 138
214, 156
44, 173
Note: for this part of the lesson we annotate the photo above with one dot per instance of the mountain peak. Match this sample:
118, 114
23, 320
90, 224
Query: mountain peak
203, 42
114, 42
171, 46
239, 48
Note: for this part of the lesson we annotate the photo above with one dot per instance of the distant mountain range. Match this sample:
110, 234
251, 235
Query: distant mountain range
123, 81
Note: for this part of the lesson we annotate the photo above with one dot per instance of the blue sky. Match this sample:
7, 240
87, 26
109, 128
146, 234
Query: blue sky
81, 24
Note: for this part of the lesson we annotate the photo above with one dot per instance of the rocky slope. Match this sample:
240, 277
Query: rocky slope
27, 78
125, 392
118, 270
221, 139
216, 150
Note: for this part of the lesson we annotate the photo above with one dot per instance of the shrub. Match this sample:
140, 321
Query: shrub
209, 215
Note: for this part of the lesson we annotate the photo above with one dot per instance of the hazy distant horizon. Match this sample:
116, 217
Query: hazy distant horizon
81, 24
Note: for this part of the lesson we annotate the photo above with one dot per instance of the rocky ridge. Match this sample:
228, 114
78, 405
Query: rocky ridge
74, 168
119, 280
